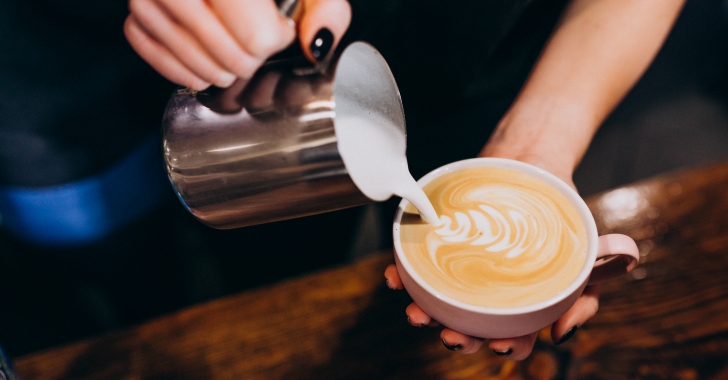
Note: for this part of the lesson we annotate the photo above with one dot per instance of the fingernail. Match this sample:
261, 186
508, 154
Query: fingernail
410, 322
386, 280
452, 348
226, 80
321, 44
199, 85
568, 335
504, 353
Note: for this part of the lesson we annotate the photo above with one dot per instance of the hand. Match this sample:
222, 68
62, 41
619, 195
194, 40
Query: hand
513, 348
517, 348
196, 43
597, 52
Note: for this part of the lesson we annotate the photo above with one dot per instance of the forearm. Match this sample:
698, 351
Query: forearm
596, 54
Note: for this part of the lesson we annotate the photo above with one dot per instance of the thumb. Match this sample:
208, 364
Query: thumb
321, 27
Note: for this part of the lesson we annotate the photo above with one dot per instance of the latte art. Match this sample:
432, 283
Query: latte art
518, 221
507, 239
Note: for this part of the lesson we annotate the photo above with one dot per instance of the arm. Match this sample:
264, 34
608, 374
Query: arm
596, 54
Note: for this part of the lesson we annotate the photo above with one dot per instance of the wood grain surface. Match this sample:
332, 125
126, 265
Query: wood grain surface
666, 320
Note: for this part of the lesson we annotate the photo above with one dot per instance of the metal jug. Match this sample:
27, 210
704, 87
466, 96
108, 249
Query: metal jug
266, 150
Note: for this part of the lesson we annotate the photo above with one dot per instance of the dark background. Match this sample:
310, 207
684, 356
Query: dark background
677, 116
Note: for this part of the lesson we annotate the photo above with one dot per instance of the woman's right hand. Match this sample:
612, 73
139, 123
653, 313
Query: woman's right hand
196, 43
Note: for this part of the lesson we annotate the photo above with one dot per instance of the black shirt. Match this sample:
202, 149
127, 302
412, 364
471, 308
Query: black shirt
458, 64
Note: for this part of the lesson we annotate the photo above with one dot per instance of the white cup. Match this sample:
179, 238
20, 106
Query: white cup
608, 256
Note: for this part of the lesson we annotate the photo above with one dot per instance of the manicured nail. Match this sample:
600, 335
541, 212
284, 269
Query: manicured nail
198, 85
410, 322
321, 44
504, 353
226, 80
456, 347
568, 335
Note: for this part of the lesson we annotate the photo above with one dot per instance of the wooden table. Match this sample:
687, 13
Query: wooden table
668, 319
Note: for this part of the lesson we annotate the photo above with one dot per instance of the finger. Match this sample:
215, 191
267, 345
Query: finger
514, 348
202, 23
160, 58
260, 94
416, 316
256, 25
323, 24
228, 101
455, 341
420, 317
586, 306
393, 279
157, 23
295, 92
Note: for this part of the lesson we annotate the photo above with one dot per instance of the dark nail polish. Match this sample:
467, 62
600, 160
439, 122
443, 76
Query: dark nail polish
568, 335
321, 44
504, 353
452, 348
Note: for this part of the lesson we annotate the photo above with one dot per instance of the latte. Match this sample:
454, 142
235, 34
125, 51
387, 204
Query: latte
507, 239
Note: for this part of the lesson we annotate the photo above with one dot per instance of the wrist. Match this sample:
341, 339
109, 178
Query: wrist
551, 136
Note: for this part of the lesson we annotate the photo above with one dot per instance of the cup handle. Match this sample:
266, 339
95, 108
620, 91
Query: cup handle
616, 255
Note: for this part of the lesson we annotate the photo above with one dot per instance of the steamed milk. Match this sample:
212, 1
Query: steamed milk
507, 239
491, 237
374, 152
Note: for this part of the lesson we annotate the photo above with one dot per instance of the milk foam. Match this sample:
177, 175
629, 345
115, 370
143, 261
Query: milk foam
519, 222
507, 239
374, 152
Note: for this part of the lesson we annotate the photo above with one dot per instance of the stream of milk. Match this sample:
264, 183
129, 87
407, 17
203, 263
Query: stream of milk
374, 154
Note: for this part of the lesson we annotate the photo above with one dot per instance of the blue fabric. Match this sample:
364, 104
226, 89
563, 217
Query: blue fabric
6, 367
87, 210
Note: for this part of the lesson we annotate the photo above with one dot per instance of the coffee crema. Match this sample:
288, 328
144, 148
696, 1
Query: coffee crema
508, 239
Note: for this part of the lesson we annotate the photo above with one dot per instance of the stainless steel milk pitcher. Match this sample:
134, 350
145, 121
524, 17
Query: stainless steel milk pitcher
267, 150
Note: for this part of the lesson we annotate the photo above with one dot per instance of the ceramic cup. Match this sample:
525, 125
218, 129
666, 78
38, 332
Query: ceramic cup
608, 256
